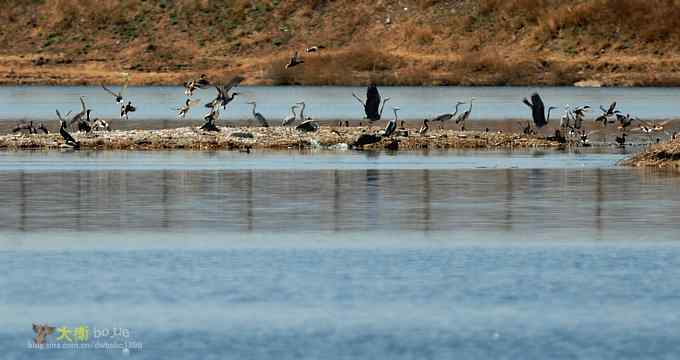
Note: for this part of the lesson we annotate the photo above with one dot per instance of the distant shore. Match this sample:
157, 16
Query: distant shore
24, 72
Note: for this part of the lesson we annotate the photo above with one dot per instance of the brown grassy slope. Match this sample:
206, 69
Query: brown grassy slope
616, 42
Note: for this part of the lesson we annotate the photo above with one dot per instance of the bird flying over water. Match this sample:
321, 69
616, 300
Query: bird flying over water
223, 98
372, 106
184, 109
125, 109
607, 113
120, 95
190, 86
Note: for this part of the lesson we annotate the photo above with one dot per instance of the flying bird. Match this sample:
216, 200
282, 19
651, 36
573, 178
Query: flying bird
223, 98
191, 85
120, 95
372, 106
127, 108
538, 110
294, 61
183, 110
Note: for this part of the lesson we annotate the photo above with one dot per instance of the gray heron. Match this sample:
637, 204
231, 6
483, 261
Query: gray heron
392, 124
462, 118
372, 106
448, 116
258, 117
302, 111
290, 118
538, 110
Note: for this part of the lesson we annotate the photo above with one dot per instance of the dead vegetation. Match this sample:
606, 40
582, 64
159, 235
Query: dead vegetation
666, 155
415, 42
190, 138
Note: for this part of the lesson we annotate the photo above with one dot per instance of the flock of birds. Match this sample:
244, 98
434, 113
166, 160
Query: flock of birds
571, 126
571, 123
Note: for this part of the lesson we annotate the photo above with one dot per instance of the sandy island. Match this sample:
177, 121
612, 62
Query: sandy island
245, 138
664, 155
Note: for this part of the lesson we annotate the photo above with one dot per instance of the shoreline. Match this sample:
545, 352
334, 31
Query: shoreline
664, 155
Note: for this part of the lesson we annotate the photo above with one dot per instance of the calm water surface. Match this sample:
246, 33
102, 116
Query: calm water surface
333, 102
341, 255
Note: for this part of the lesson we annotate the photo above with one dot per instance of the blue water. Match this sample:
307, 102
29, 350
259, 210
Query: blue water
332, 102
517, 302
340, 255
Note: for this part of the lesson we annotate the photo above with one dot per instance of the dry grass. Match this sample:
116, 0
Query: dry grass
434, 41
